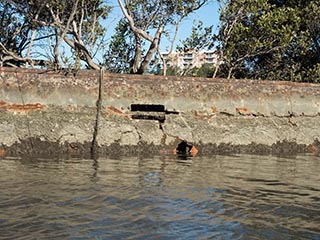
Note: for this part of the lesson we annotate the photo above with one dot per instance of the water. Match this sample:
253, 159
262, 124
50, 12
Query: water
219, 197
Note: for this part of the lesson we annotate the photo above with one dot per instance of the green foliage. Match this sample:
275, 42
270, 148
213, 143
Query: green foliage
205, 71
200, 38
120, 53
152, 14
14, 33
278, 40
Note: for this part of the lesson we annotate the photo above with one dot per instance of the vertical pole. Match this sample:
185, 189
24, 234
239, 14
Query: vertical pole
94, 145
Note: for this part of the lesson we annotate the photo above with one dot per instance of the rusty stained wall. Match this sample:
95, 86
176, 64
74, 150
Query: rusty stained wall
217, 115
183, 94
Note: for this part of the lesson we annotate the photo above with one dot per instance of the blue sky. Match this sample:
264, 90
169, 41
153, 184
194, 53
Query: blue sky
208, 14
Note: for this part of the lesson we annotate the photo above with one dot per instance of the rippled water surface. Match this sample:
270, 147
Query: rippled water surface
219, 197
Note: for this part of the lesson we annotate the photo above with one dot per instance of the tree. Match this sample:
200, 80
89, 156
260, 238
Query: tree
272, 39
16, 33
77, 23
200, 38
74, 22
119, 56
147, 17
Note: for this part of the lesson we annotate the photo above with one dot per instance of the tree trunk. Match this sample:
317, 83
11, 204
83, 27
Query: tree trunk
152, 49
230, 72
56, 51
82, 50
217, 66
137, 56
164, 64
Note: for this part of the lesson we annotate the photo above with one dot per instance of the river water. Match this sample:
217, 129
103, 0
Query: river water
164, 197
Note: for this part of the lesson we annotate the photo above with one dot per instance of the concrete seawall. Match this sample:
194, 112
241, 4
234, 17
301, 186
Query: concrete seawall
45, 112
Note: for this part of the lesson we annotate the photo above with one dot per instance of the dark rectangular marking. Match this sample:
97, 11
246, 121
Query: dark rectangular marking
147, 108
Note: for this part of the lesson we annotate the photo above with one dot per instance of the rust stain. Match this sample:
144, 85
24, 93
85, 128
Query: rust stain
201, 115
314, 149
243, 111
174, 151
2, 152
71, 108
164, 138
22, 108
214, 109
113, 110
195, 113
116, 110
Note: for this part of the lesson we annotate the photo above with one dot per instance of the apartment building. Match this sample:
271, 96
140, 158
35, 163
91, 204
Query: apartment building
190, 59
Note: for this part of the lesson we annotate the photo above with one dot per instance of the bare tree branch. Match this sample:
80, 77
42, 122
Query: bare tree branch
132, 25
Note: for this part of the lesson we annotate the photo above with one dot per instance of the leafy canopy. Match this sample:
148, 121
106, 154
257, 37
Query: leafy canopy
277, 40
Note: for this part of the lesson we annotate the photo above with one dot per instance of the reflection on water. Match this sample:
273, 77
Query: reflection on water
219, 197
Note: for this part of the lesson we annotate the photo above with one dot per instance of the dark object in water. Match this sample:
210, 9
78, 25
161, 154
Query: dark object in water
184, 148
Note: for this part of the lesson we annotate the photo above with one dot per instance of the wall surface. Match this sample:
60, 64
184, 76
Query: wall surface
45, 112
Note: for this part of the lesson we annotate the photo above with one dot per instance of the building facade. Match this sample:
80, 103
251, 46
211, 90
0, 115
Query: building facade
189, 59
